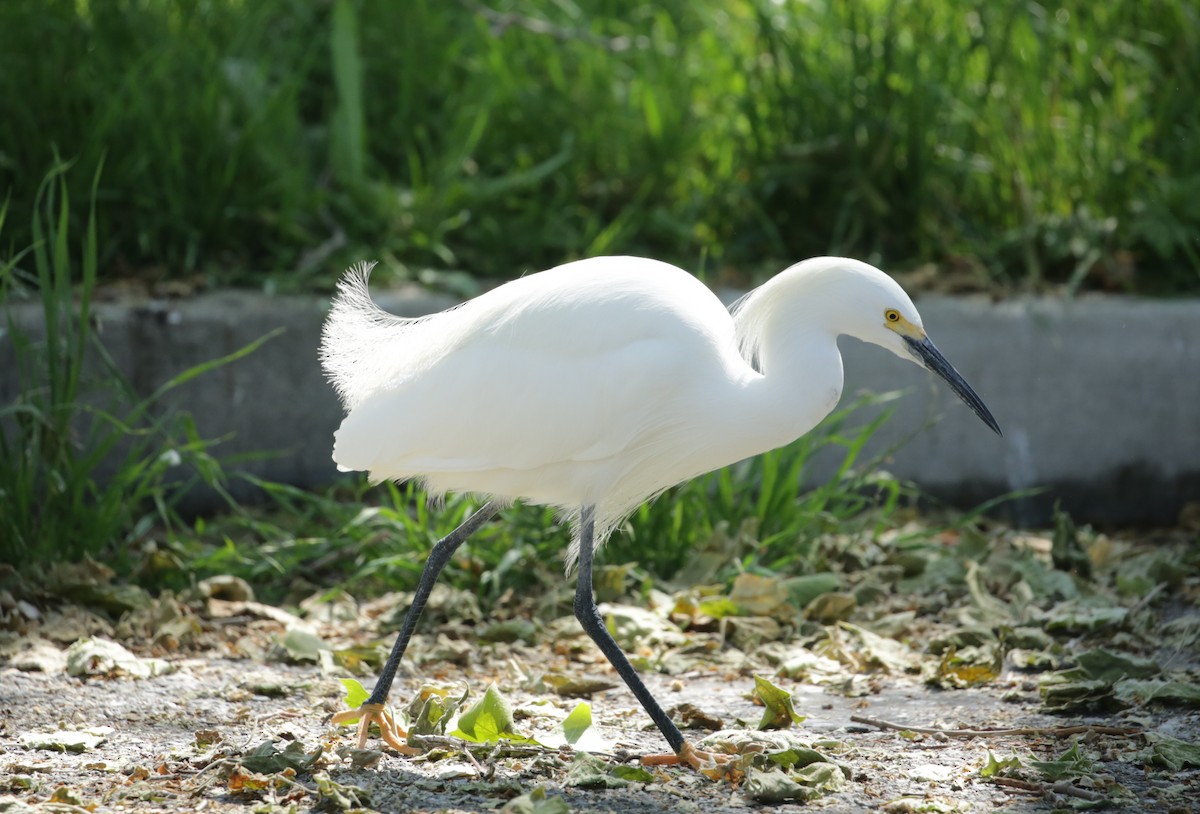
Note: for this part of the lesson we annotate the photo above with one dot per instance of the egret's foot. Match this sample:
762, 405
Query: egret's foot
368, 714
713, 765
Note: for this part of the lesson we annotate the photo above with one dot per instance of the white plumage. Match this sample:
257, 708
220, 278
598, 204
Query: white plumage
600, 382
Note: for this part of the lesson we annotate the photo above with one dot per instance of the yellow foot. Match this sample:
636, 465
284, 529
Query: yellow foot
713, 765
368, 714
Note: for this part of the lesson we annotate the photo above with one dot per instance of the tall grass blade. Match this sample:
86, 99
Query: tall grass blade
349, 124
85, 464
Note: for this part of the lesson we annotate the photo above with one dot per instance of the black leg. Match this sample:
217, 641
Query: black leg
589, 616
438, 557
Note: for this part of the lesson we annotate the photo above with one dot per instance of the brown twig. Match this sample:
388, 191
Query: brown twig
1052, 731
498, 749
1061, 787
1147, 599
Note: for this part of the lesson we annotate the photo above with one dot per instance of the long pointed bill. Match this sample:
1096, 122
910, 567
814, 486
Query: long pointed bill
932, 358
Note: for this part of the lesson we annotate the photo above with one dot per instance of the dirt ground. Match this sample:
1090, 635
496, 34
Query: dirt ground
178, 738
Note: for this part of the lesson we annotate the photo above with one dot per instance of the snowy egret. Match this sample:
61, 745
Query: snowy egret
591, 388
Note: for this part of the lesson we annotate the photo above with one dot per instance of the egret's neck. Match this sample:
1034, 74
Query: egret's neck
757, 411
797, 355
801, 382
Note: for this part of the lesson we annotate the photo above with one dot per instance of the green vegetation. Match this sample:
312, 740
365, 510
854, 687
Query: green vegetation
1034, 145
746, 518
86, 464
271, 142
1024, 144
90, 467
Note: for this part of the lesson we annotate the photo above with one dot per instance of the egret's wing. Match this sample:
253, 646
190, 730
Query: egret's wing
495, 407
565, 367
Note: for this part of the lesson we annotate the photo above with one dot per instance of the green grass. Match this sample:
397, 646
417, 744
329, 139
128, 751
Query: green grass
1039, 145
88, 467
760, 515
285, 138
91, 467
768, 511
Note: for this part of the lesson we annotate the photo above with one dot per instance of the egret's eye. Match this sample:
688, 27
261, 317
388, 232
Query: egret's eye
891, 315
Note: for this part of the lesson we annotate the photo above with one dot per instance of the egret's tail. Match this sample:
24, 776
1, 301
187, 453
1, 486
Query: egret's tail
366, 350
356, 338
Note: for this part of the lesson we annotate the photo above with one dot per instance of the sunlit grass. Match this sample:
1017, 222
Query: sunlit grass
1041, 145
88, 466
1045, 146
761, 514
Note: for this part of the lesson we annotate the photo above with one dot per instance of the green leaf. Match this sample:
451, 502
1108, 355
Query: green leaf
1173, 754
578, 722
432, 708
267, 759
777, 786
778, 712
356, 693
356, 696
495, 708
797, 757
1184, 693
1085, 615
1069, 764
1105, 665
590, 772
831, 607
93, 656
804, 589
965, 668
489, 720
757, 595
212, 364
508, 631
485, 728
634, 774
994, 610
116, 599
360, 660
1065, 690
302, 646
536, 802
1066, 551
719, 607
572, 685
994, 768
334, 796
348, 139
891, 655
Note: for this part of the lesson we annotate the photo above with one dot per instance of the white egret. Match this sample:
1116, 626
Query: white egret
592, 387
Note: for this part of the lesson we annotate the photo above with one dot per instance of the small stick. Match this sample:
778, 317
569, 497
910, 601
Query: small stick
1062, 787
499, 749
1053, 731
1147, 599
474, 762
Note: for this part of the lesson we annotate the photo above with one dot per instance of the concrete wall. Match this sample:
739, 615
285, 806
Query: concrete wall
1099, 398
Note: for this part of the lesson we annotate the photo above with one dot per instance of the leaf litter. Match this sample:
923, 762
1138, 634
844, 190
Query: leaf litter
1000, 669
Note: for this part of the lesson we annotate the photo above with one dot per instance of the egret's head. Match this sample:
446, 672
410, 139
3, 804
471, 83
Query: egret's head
900, 330
871, 306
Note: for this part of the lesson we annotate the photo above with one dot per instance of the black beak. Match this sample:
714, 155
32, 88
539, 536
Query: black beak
932, 358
